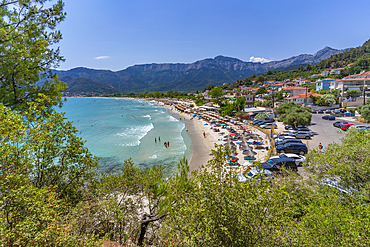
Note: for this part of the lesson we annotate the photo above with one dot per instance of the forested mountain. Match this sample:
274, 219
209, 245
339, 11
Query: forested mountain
186, 77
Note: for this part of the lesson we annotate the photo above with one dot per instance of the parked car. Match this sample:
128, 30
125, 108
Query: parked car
288, 127
342, 110
313, 112
338, 123
320, 111
274, 165
282, 138
302, 135
308, 131
345, 126
328, 111
289, 140
285, 133
358, 126
254, 173
299, 159
328, 117
268, 126
255, 122
295, 148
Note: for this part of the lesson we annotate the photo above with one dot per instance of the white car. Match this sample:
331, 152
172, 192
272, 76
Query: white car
268, 125
253, 173
282, 138
299, 159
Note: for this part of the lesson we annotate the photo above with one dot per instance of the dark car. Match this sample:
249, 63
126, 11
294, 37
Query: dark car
320, 111
342, 110
290, 140
274, 165
295, 148
328, 111
338, 123
313, 112
255, 122
328, 117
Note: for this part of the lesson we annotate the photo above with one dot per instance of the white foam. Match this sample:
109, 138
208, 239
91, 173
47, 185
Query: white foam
136, 133
153, 157
148, 116
172, 119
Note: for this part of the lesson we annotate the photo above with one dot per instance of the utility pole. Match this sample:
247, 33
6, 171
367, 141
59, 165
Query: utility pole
306, 97
364, 92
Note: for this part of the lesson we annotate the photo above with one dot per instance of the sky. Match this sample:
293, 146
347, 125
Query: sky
116, 34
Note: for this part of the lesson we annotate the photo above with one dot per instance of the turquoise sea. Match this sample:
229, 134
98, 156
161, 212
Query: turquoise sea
119, 129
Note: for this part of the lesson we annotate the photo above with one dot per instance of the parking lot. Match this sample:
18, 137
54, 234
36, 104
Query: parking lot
324, 131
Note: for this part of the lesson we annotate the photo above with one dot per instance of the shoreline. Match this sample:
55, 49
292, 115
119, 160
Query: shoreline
201, 147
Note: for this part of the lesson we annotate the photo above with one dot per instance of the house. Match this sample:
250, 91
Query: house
325, 73
249, 100
323, 84
303, 98
293, 91
335, 71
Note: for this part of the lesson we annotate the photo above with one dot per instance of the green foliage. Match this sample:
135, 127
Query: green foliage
216, 93
353, 93
293, 114
199, 102
329, 99
261, 116
261, 90
363, 110
227, 109
41, 161
47, 149
28, 33
347, 161
240, 103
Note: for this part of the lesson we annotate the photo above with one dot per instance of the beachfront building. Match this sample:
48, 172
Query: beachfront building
303, 98
323, 84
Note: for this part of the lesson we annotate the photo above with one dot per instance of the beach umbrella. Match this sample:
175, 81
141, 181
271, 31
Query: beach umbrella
230, 143
249, 152
257, 137
247, 148
232, 134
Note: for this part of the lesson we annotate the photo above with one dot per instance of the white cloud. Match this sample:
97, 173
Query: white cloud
102, 57
258, 60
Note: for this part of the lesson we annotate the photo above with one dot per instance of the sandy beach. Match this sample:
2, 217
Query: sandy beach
201, 146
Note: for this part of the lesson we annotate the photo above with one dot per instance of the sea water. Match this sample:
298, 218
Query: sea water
118, 129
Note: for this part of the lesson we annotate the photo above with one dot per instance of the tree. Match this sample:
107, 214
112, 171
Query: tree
43, 167
353, 93
261, 116
48, 150
216, 93
28, 33
294, 114
261, 90
240, 103
329, 99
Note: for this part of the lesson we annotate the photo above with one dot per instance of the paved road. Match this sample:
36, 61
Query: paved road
325, 132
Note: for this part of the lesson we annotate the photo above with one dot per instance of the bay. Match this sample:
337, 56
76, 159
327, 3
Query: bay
116, 129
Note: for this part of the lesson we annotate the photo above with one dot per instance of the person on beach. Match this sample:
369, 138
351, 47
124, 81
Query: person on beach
204, 134
168, 144
159, 138
165, 144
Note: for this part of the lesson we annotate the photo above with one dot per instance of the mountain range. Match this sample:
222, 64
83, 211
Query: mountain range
177, 76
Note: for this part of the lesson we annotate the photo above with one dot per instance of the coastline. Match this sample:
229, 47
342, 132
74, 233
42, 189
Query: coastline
201, 147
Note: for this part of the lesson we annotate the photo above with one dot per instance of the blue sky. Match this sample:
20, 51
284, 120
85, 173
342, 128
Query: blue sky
116, 34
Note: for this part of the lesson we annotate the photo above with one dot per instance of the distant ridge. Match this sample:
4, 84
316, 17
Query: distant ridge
179, 76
